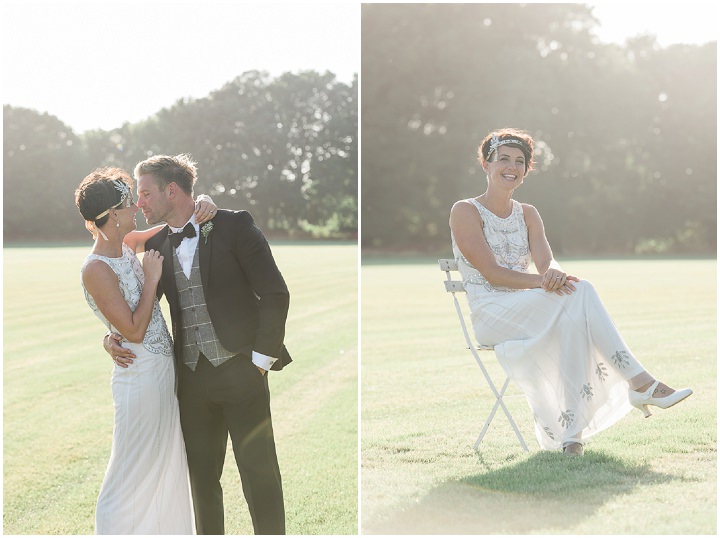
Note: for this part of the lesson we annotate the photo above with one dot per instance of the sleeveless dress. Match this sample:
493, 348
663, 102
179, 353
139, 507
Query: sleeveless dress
563, 351
146, 488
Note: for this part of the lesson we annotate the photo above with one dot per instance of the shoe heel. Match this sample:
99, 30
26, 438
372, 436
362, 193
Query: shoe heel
644, 409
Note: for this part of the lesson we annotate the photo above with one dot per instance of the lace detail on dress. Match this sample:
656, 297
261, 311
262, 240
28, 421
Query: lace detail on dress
131, 280
508, 240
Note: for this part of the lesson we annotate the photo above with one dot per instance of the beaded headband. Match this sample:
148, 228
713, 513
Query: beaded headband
495, 143
124, 193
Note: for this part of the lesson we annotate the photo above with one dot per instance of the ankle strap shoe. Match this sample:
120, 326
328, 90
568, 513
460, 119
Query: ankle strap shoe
641, 400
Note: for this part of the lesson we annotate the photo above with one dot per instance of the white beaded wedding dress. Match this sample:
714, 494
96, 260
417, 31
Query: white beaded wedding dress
146, 488
563, 351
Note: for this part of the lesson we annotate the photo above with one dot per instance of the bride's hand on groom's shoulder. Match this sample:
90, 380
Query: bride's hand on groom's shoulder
205, 209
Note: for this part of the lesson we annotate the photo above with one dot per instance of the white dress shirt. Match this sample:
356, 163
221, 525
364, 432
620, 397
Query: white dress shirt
185, 253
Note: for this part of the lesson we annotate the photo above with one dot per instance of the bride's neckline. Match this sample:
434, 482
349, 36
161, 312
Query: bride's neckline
122, 255
512, 208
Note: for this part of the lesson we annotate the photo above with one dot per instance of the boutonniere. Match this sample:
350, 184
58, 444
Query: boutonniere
206, 229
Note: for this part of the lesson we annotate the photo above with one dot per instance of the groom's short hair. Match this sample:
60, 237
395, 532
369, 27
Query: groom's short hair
179, 169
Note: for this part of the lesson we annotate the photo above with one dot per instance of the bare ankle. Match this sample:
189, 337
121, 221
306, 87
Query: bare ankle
643, 388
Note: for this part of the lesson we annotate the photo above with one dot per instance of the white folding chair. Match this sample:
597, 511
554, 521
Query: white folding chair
456, 286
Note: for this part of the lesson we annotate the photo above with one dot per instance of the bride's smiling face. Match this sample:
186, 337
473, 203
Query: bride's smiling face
507, 169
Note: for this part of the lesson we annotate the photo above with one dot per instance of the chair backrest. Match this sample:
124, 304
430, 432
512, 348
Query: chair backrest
449, 265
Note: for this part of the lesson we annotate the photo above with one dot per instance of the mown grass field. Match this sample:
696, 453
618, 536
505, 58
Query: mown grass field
424, 401
57, 405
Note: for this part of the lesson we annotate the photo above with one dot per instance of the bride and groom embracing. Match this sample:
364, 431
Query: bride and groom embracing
228, 305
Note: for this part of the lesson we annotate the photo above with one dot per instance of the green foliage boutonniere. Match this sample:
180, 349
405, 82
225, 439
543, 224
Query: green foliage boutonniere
206, 229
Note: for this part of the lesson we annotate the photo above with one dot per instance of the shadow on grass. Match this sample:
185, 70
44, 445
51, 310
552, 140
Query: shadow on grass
547, 492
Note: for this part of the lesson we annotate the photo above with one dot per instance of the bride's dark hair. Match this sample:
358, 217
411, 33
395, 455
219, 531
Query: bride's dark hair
97, 193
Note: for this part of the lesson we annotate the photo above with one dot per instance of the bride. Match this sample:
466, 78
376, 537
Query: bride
145, 489
550, 330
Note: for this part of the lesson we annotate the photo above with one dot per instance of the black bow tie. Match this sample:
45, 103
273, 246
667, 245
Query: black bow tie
176, 238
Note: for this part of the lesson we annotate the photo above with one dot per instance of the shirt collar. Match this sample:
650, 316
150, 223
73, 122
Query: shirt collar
191, 221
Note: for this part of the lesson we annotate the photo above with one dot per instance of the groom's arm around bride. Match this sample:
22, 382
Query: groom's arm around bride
246, 295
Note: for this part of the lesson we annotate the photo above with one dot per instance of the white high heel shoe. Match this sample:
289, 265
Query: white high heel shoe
641, 400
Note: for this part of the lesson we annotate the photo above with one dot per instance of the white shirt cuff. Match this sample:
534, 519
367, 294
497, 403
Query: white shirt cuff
263, 361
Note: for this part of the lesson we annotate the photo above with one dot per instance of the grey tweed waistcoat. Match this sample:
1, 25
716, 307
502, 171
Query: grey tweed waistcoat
198, 333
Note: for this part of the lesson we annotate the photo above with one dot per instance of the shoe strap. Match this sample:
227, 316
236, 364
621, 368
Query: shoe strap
652, 388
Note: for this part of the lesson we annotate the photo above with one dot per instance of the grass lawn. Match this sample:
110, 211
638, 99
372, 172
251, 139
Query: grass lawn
424, 401
57, 412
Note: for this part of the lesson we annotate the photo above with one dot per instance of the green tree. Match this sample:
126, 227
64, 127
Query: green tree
42, 165
438, 77
284, 148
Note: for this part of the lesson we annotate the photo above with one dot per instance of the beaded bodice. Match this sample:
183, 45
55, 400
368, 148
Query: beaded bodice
130, 281
508, 240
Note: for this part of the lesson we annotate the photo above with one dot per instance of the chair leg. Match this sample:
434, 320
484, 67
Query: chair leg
498, 395
491, 416
517, 431
498, 403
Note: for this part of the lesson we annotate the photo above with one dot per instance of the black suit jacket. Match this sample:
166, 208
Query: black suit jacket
246, 295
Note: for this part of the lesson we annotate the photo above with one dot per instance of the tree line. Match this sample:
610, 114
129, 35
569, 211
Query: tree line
284, 148
626, 134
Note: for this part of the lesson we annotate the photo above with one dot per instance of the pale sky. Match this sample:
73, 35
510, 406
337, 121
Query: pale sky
671, 22
98, 65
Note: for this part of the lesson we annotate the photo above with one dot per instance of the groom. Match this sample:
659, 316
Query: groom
228, 304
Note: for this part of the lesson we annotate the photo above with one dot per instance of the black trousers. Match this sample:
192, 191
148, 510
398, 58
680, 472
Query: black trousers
234, 399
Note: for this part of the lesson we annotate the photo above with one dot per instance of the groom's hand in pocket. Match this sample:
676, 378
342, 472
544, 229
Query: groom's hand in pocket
120, 355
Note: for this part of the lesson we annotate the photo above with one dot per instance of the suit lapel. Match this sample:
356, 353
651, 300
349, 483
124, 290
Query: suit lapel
168, 271
205, 246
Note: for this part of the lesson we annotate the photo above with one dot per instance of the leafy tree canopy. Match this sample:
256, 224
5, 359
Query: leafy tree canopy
283, 148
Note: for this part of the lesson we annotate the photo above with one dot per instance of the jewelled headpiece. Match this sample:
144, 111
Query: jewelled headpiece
495, 143
124, 193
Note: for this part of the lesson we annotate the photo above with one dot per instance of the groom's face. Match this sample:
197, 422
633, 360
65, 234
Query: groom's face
151, 200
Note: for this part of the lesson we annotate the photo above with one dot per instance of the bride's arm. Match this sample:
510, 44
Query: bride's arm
137, 238
466, 225
553, 276
205, 209
539, 246
101, 282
